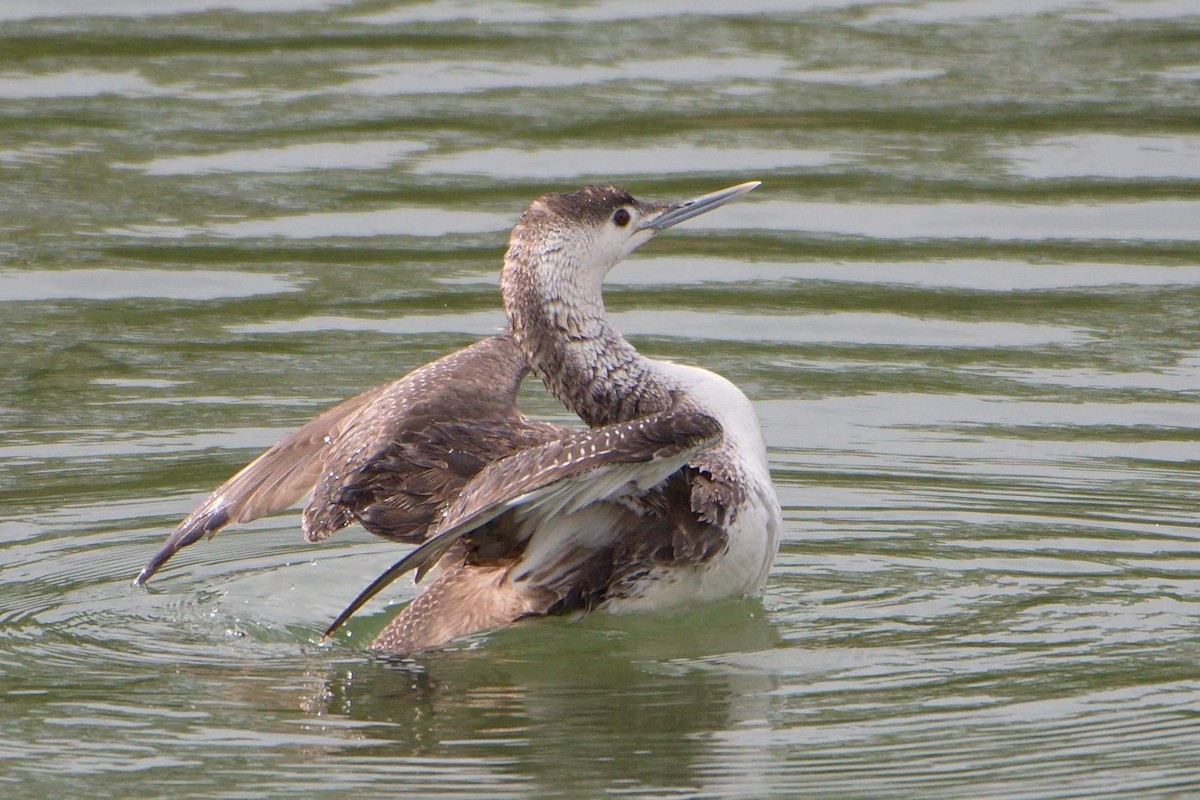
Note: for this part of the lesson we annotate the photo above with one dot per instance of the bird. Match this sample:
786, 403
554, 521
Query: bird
663, 501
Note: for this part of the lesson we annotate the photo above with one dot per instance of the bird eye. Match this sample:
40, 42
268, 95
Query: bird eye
621, 217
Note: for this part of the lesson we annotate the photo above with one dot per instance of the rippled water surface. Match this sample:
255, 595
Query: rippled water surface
965, 301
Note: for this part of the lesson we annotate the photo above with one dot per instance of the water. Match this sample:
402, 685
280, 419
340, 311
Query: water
964, 302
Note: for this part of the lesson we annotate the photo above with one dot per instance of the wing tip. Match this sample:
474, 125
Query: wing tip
207, 521
414, 560
160, 558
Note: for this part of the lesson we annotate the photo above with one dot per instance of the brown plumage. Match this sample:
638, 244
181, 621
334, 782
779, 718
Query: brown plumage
397, 458
388, 458
668, 488
564, 476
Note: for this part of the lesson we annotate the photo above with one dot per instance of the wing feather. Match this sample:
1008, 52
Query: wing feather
366, 436
271, 483
562, 476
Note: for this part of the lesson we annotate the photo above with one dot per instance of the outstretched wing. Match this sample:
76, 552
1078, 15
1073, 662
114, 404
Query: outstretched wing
561, 476
271, 483
402, 483
387, 440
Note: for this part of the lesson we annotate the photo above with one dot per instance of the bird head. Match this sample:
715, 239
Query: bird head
573, 240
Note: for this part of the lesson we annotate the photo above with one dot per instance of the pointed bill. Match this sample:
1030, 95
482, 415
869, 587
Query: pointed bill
674, 213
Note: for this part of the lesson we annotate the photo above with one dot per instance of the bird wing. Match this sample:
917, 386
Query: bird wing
561, 476
274, 481
479, 382
398, 489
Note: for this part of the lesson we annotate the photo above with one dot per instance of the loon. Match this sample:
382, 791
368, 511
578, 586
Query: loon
663, 501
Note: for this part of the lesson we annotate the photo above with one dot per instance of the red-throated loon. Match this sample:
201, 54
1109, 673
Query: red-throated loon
664, 501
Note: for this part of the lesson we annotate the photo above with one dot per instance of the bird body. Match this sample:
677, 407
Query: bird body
751, 521
663, 501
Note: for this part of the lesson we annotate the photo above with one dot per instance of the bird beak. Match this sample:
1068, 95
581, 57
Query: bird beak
671, 214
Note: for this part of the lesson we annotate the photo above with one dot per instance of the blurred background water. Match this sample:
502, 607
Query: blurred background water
965, 301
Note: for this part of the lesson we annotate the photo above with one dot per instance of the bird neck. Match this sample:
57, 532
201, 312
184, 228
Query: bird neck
556, 313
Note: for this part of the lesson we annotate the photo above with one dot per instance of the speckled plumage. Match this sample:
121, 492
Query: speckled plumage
387, 458
556, 311
664, 500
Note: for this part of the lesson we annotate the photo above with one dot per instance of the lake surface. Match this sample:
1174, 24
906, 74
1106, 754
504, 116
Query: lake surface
965, 302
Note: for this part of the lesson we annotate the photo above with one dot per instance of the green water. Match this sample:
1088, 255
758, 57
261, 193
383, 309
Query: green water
965, 301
